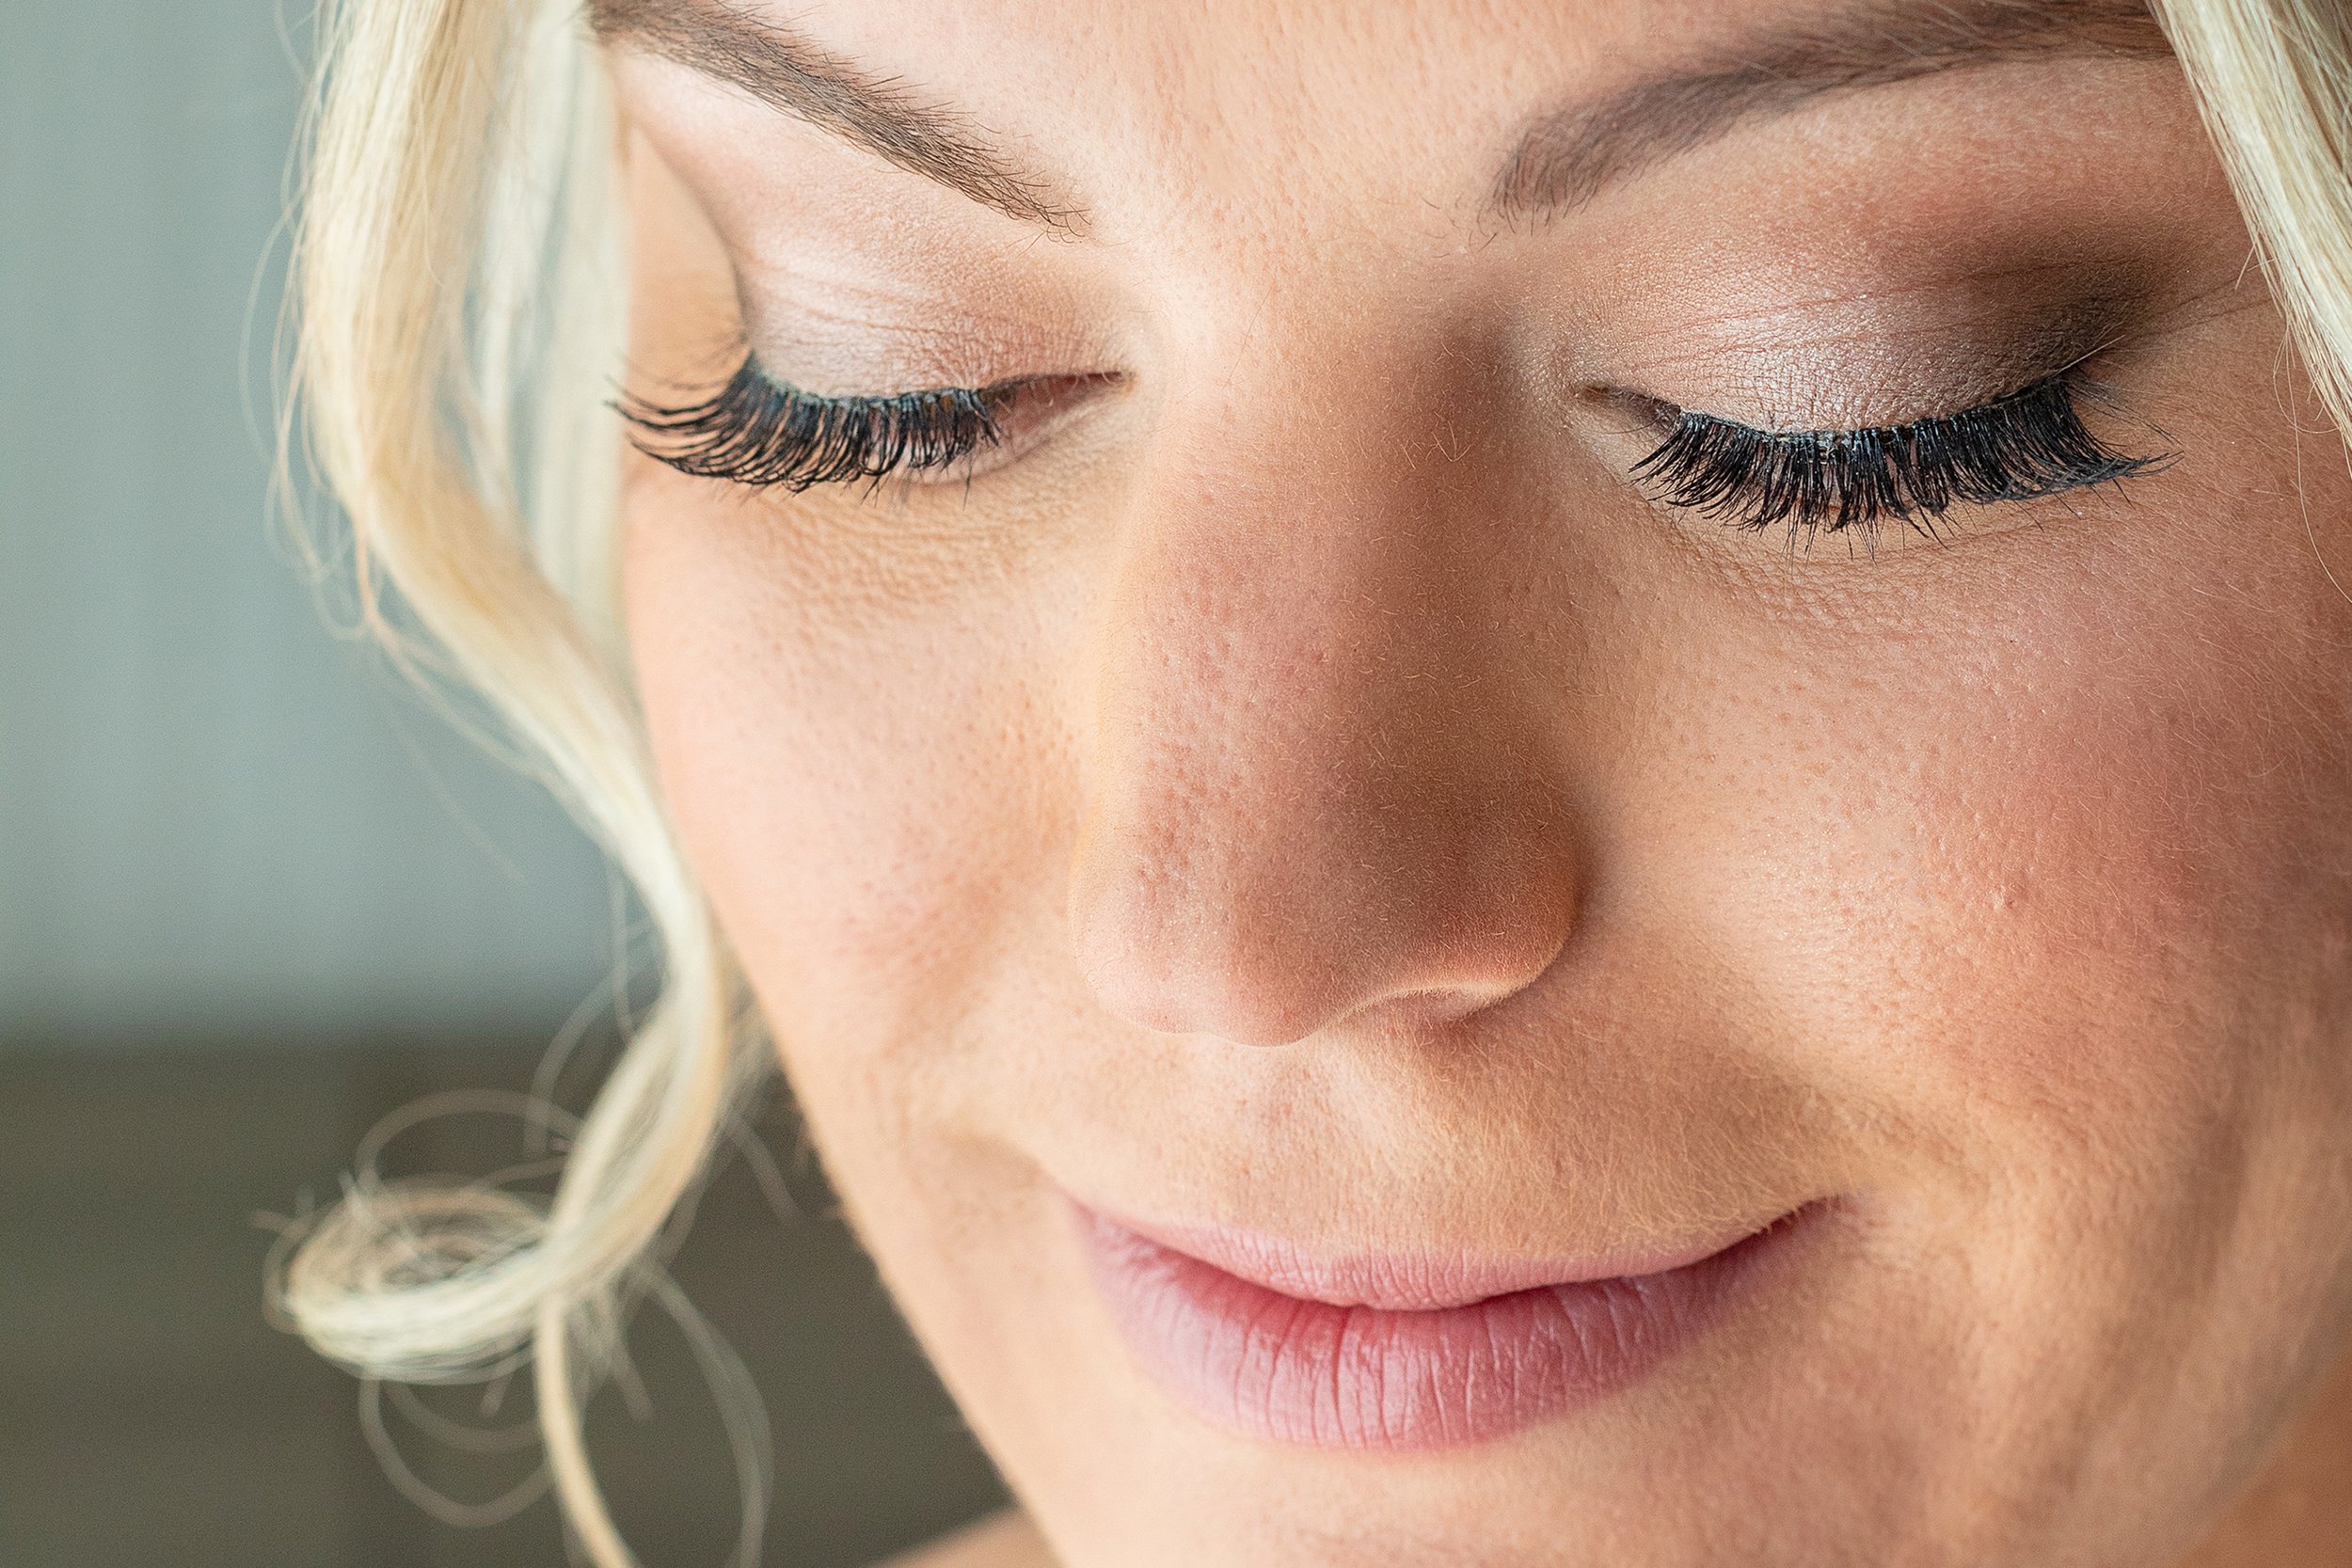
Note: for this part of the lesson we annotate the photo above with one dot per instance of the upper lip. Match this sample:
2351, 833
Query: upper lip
1411, 1280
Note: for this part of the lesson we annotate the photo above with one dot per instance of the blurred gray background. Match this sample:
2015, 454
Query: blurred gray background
253, 897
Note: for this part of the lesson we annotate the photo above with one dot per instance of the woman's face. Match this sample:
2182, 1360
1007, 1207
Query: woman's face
1389, 983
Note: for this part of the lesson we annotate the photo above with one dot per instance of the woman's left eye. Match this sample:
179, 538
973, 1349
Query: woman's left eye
757, 432
2028, 444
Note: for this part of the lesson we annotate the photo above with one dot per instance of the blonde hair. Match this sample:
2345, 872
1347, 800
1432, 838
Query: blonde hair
457, 270
460, 290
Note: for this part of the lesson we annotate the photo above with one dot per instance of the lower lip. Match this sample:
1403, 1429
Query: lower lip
1287, 1370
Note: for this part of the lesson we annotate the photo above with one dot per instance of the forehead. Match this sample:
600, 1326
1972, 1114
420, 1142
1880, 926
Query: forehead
1203, 90
1045, 110
1193, 47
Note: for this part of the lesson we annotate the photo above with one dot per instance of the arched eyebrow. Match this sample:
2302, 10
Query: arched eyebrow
789, 72
1562, 159
1566, 158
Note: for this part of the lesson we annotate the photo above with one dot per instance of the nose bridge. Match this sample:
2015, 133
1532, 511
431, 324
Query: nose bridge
1309, 795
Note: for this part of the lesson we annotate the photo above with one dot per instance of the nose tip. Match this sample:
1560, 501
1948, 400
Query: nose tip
1323, 950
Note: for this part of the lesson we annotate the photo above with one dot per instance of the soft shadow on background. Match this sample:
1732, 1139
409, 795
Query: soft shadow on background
253, 898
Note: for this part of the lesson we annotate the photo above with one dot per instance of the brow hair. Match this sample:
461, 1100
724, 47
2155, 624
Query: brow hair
1561, 160
791, 73
1566, 158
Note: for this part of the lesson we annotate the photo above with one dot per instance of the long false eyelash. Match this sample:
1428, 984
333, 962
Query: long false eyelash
754, 432
2028, 444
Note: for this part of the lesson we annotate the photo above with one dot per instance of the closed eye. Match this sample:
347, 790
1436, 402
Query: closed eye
757, 432
2028, 444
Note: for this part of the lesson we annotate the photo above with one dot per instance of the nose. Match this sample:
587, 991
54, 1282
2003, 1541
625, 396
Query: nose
1321, 782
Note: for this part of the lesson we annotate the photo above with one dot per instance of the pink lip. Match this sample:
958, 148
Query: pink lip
1396, 1354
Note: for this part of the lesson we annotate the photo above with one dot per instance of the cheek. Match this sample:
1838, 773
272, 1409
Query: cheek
2137, 850
857, 782
2068, 889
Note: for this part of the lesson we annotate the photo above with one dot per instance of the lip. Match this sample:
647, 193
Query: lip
1398, 1352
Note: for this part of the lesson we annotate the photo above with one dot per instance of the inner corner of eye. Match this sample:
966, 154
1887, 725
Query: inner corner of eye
1639, 412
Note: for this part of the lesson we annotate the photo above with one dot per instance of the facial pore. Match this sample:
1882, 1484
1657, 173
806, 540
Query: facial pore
1302, 786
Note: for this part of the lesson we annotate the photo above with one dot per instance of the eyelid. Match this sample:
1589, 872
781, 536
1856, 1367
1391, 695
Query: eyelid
761, 432
1852, 340
2027, 444
1053, 389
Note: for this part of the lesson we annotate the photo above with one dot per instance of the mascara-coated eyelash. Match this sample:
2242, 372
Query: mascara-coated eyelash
2028, 444
755, 432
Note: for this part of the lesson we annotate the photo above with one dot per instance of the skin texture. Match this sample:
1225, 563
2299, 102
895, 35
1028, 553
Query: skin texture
1312, 787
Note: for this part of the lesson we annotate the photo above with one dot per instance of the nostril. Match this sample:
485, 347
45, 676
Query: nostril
1430, 1008
1265, 934
1175, 987
1252, 983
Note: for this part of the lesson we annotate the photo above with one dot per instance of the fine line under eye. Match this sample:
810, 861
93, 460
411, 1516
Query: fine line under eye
2028, 444
754, 432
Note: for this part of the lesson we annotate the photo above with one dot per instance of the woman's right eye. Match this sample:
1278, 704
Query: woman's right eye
757, 432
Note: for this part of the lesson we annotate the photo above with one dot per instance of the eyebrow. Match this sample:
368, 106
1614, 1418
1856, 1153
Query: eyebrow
1560, 160
881, 114
1564, 159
